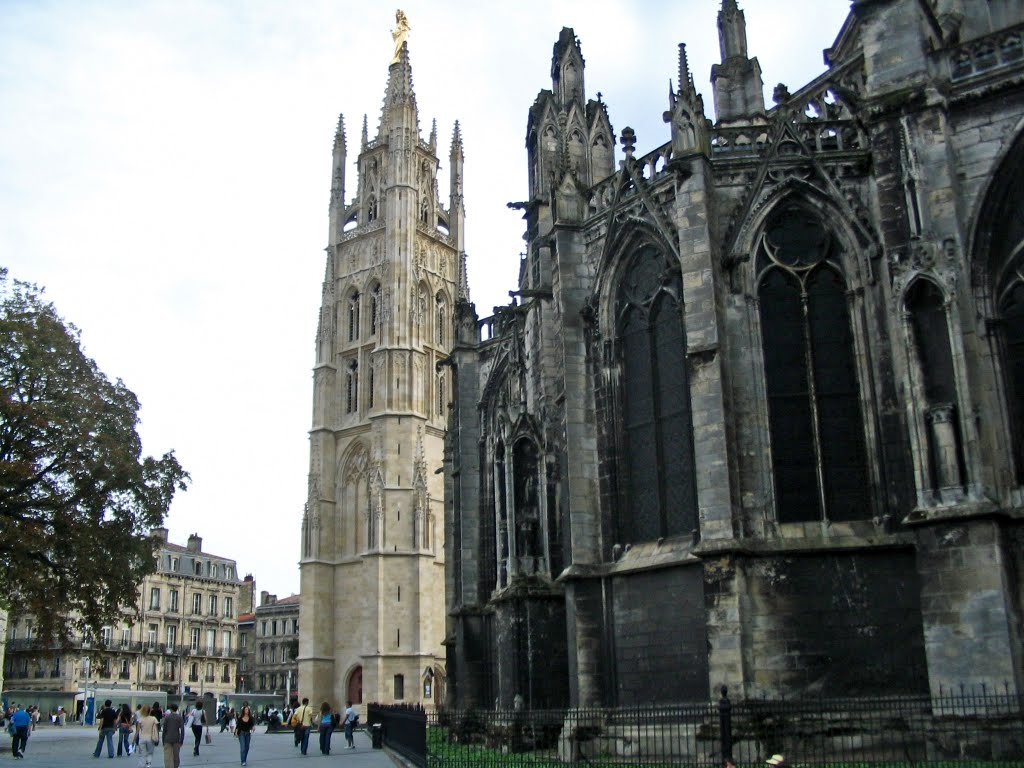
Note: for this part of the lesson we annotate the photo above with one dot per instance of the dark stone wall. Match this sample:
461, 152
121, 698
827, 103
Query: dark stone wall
659, 636
837, 624
530, 650
472, 671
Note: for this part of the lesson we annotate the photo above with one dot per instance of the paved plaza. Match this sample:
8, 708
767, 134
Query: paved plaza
73, 745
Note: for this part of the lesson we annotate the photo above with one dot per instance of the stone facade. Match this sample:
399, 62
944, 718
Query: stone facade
372, 563
181, 634
275, 642
756, 416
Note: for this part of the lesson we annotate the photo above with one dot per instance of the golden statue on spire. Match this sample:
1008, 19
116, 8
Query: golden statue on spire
400, 33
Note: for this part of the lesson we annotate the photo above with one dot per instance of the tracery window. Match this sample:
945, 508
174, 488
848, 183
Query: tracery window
1011, 313
353, 317
817, 434
441, 319
658, 492
352, 387
1001, 243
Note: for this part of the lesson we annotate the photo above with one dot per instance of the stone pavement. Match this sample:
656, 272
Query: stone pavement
72, 747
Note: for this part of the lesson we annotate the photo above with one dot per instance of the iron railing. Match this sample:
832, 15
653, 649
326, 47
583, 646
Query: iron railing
401, 728
961, 729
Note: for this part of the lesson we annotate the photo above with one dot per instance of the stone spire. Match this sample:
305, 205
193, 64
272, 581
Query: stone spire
399, 109
732, 31
456, 207
685, 114
567, 68
338, 173
739, 92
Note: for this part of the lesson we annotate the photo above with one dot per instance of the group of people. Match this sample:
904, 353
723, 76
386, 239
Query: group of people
326, 720
143, 730
140, 731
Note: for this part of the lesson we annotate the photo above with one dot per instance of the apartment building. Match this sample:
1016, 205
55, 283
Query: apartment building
181, 637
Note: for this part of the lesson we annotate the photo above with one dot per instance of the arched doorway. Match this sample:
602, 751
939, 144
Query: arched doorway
354, 689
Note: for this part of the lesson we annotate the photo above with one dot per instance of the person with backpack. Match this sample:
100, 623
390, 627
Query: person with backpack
325, 728
351, 721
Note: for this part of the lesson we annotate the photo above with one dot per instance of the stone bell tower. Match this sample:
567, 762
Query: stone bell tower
372, 568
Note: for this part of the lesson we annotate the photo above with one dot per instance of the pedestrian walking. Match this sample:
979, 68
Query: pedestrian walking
173, 733
196, 721
305, 719
325, 728
351, 720
125, 724
147, 734
106, 724
20, 722
244, 724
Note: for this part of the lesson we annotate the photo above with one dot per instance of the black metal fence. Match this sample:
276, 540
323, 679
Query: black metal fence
966, 730
400, 728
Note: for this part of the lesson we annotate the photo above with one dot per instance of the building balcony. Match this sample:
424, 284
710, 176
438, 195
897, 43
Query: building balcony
169, 677
225, 678
151, 676
124, 675
55, 673
39, 673
193, 678
210, 678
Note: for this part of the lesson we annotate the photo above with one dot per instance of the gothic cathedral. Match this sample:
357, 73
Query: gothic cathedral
756, 417
372, 562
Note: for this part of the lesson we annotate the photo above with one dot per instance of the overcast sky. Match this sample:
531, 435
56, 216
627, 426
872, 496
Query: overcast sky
165, 170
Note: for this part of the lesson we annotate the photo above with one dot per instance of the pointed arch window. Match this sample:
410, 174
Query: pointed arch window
441, 321
1001, 249
352, 387
814, 416
441, 392
353, 317
658, 493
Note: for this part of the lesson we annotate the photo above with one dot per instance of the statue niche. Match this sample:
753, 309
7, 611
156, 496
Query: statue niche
527, 507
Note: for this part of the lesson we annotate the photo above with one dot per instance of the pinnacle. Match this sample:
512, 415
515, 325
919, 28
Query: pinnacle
456, 138
399, 90
339, 133
685, 78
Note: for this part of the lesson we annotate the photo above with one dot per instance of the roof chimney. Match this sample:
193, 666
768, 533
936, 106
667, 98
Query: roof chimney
195, 543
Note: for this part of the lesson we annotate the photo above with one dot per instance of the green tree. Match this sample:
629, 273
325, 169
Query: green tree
77, 498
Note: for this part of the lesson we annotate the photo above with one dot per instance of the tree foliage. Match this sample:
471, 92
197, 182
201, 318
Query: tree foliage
77, 498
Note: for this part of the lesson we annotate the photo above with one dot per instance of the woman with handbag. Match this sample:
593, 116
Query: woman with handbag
196, 721
147, 731
124, 730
